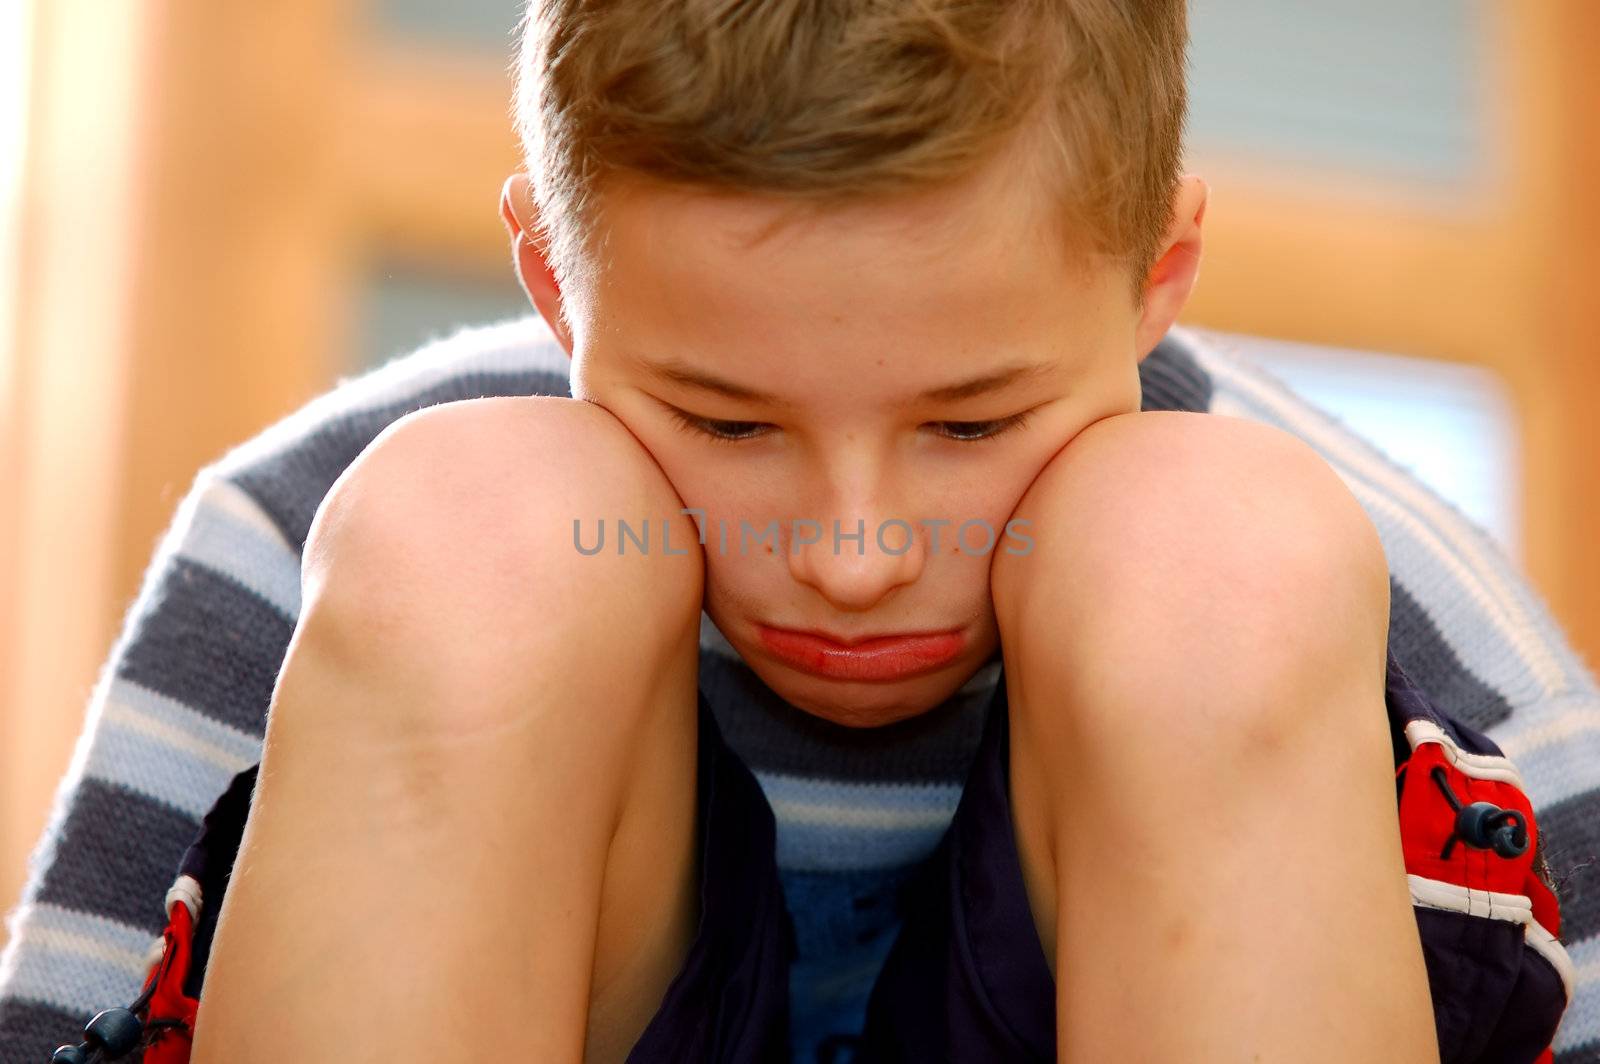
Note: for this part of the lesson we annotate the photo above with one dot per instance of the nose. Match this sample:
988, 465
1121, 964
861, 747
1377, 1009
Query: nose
854, 561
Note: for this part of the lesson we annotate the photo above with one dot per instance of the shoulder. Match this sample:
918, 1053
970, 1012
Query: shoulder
287, 469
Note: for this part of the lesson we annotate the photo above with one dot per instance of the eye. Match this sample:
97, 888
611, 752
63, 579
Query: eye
722, 431
973, 431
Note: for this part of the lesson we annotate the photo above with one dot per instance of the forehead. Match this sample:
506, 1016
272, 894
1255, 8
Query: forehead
982, 257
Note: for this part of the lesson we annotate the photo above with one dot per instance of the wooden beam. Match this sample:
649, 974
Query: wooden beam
1550, 135
241, 298
1348, 264
427, 141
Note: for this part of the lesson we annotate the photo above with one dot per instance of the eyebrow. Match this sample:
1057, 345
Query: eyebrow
690, 377
999, 380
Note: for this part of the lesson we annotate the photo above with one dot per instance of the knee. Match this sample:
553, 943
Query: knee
452, 536
1193, 562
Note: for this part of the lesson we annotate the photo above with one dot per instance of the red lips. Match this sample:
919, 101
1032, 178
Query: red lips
877, 659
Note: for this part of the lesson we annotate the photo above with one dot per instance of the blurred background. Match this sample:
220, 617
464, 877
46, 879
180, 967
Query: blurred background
211, 212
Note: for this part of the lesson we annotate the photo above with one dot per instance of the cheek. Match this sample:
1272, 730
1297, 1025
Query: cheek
738, 589
987, 505
738, 577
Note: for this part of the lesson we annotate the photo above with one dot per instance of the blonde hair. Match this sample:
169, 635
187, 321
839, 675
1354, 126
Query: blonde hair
832, 100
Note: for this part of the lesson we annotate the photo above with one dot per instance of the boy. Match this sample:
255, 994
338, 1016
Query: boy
857, 300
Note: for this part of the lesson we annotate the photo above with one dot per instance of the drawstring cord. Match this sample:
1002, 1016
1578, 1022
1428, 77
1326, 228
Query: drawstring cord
1482, 825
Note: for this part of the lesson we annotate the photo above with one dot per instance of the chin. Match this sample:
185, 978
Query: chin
866, 705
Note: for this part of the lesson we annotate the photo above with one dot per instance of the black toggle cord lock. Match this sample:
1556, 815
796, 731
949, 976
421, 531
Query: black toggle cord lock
1483, 825
111, 1034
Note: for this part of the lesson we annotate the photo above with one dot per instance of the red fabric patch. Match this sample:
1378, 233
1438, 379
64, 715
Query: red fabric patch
1427, 822
171, 1045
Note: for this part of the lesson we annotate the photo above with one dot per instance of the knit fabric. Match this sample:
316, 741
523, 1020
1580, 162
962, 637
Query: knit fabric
181, 702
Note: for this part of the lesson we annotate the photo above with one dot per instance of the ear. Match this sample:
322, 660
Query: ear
1177, 267
528, 257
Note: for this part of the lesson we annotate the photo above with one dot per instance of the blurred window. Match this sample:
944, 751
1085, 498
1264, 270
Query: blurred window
1390, 90
485, 25
404, 304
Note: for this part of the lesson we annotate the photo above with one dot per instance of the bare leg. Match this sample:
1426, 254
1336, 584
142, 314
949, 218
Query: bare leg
472, 834
1202, 780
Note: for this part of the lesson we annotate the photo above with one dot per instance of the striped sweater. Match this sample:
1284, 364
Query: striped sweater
180, 704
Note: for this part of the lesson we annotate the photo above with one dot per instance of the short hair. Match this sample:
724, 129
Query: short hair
833, 100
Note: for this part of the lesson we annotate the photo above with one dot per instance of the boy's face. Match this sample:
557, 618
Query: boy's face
885, 366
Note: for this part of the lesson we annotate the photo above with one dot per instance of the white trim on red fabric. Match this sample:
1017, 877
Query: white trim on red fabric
1437, 894
1511, 908
1550, 948
187, 890
1478, 766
